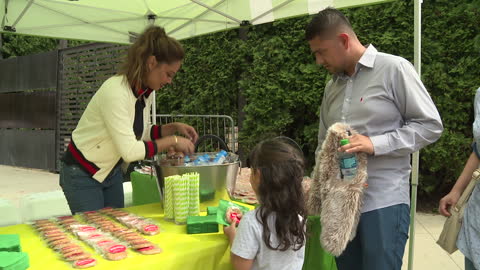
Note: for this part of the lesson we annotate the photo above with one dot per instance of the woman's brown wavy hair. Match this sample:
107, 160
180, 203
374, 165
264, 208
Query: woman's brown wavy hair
153, 41
280, 192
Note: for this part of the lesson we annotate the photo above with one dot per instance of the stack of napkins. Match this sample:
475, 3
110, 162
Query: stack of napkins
202, 224
10, 243
11, 257
212, 210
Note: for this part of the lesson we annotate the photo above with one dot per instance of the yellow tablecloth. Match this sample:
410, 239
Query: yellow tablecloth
180, 250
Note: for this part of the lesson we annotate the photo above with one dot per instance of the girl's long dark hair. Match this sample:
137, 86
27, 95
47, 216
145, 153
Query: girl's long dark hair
280, 192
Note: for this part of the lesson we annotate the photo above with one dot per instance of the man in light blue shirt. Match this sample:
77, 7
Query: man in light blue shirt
380, 96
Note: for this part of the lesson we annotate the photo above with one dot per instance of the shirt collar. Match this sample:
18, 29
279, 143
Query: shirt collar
368, 57
366, 60
145, 91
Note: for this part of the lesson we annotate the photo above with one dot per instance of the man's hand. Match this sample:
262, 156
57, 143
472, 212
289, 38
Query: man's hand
358, 143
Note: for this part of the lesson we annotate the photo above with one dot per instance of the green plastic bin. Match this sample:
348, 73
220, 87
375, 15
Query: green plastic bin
144, 189
315, 257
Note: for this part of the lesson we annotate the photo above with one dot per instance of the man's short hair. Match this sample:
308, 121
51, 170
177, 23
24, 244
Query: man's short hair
327, 22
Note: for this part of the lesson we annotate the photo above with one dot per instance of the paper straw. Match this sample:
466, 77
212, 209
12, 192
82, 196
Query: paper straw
194, 194
180, 199
169, 210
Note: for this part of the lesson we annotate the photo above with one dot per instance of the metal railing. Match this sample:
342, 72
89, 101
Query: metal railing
222, 126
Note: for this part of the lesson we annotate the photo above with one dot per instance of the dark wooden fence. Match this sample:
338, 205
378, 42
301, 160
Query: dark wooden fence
27, 110
43, 96
82, 70
26, 73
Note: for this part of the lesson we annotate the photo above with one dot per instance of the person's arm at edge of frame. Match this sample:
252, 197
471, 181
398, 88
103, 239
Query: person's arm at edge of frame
463, 180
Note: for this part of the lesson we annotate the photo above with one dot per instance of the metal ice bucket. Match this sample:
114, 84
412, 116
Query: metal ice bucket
216, 181
213, 178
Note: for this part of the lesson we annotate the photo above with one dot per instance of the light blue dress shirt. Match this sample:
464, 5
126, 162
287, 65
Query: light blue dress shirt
385, 100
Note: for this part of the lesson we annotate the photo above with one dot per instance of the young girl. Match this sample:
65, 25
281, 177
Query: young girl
273, 235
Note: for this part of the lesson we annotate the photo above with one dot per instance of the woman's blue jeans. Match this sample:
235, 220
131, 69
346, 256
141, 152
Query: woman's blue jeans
84, 193
469, 264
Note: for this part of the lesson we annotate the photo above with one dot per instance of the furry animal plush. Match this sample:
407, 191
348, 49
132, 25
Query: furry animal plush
337, 201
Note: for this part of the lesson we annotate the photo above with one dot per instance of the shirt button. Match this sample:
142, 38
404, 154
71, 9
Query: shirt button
98, 146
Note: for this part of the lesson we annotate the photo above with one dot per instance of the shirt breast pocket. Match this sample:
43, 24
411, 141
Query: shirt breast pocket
373, 106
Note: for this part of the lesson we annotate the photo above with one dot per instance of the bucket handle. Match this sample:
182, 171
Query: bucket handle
205, 137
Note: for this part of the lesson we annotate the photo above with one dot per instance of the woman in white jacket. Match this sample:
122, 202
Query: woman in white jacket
114, 126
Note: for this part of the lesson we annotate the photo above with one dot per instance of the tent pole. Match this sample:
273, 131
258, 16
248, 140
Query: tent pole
271, 10
151, 21
196, 17
5, 8
195, 20
71, 3
216, 11
417, 25
83, 23
81, 20
27, 7
241, 101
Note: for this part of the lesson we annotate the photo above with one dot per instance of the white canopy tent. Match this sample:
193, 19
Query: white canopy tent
114, 21
118, 21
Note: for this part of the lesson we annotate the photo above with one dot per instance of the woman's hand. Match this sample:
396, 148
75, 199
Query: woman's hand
177, 143
448, 201
184, 129
188, 131
184, 145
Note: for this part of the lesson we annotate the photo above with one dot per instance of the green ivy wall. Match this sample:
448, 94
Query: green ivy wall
282, 86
